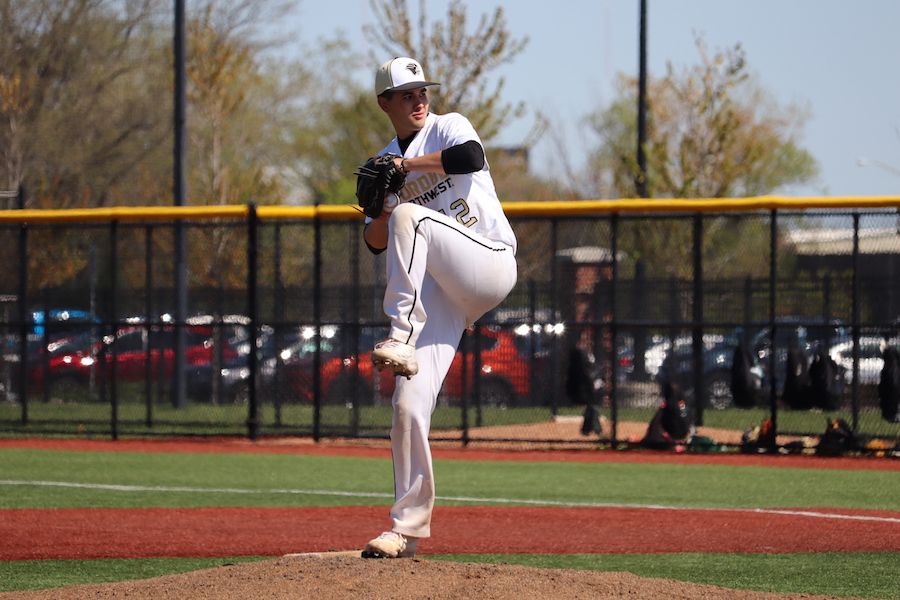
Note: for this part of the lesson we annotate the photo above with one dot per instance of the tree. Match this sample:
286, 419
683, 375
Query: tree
349, 126
459, 60
336, 125
226, 166
711, 133
79, 113
77, 99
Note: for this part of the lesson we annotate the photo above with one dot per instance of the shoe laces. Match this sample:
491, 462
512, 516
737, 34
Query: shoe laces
395, 538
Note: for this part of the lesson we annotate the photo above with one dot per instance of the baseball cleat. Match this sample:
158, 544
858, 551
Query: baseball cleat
391, 544
396, 356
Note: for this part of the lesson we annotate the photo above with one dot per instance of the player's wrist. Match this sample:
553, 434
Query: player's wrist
402, 166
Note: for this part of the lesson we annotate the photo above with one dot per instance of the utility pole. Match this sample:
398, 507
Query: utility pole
641, 179
180, 193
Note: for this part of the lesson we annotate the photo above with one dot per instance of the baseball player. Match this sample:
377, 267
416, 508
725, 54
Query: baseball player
451, 257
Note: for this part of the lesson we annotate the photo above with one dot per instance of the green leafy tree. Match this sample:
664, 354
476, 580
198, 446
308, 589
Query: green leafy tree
78, 98
79, 113
712, 132
458, 59
349, 131
337, 123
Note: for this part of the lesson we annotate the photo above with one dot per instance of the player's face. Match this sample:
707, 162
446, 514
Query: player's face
407, 110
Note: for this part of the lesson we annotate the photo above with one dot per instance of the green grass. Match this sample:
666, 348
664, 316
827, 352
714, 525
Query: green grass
254, 480
207, 477
230, 419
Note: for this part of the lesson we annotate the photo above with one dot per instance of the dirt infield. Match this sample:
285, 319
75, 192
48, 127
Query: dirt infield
217, 532
350, 578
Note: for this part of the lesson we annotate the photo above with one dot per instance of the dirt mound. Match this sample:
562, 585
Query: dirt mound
344, 577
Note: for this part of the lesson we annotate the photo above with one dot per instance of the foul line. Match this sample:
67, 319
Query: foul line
141, 488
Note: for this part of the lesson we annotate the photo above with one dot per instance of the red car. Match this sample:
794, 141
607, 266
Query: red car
78, 364
510, 376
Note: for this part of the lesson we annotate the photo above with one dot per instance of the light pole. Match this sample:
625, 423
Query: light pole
641, 179
180, 193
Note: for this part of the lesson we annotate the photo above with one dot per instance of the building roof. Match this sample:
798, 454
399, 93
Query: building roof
873, 240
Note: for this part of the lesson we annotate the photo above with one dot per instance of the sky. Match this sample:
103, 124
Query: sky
839, 59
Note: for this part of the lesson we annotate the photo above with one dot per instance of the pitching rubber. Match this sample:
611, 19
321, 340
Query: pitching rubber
325, 554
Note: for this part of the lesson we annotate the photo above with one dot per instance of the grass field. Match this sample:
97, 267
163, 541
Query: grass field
148, 480
231, 419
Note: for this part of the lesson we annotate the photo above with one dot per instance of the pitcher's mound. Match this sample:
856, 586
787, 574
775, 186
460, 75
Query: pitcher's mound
328, 576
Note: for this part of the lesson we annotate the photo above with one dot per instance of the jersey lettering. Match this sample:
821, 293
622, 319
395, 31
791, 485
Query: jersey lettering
419, 185
428, 195
462, 214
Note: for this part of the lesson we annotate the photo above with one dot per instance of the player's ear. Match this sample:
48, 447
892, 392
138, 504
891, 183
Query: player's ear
383, 103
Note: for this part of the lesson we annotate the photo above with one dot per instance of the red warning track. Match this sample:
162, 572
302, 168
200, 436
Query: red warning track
33, 534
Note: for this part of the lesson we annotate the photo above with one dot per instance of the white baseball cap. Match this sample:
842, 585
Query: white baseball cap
400, 74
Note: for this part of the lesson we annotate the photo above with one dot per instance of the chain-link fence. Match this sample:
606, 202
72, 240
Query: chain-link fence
741, 317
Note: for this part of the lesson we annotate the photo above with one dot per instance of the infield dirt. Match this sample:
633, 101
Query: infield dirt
350, 578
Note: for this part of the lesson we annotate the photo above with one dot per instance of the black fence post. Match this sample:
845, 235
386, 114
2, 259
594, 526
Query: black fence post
148, 322
317, 322
854, 316
278, 312
114, 318
557, 380
613, 387
464, 387
356, 317
253, 310
700, 396
534, 337
45, 344
476, 376
773, 324
24, 317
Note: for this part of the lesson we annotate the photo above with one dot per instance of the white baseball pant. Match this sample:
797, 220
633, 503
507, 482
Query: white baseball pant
441, 278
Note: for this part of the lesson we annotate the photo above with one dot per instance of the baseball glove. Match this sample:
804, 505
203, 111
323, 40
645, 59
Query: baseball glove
374, 180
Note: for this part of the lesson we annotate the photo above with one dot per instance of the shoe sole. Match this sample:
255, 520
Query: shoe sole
372, 553
397, 368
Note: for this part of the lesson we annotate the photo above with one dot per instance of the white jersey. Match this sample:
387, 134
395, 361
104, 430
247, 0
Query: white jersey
450, 258
469, 198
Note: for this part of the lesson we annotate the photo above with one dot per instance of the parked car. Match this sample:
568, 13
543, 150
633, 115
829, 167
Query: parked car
661, 349
60, 321
129, 350
871, 358
510, 376
718, 353
290, 354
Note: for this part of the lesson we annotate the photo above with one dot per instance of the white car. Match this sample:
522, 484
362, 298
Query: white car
661, 347
871, 358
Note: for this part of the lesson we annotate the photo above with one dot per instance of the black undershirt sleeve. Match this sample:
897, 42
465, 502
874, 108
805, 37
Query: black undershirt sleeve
463, 158
375, 250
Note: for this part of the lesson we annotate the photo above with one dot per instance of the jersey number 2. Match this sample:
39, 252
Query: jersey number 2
463, 213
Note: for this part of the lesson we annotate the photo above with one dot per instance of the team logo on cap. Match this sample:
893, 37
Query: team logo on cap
413, 68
